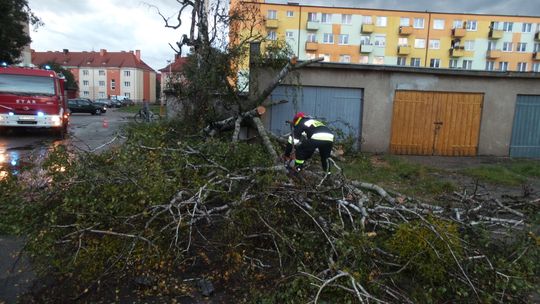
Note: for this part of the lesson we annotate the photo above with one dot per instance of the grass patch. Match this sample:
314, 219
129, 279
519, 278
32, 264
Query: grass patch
398, 174
512, 174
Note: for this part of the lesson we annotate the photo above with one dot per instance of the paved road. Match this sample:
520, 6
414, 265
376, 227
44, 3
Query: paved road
20, 147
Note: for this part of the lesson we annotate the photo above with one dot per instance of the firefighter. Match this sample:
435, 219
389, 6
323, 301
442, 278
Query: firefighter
309, 134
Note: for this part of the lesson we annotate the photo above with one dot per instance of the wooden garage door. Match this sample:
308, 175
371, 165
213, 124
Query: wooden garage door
436, 123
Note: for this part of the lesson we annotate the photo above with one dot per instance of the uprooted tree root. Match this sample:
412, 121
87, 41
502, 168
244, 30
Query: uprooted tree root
209, 210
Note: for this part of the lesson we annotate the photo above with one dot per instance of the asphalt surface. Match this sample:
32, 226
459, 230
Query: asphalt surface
19, 147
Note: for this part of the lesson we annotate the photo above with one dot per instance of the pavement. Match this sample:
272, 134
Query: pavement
16, 273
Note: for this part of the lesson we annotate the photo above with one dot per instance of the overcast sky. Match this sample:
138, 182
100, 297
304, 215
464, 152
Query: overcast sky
123, 25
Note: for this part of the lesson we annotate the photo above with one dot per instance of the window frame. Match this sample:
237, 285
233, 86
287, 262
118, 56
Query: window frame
419, 26
290, 14
379, 21
417, 43
521, 47
433, 45
341, 39
271, 14
401, 23
325, 41
328, 19
346, 19
435, 63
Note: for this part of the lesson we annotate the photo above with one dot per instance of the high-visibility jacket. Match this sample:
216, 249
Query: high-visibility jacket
312, 129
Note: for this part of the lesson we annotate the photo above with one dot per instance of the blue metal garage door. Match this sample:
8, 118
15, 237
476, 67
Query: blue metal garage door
340, 108
526, 130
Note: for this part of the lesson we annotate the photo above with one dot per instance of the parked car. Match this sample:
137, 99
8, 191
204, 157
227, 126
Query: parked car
104, 101
82, 105
128, 102
115, 103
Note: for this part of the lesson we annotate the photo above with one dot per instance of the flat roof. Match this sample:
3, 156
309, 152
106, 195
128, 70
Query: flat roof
425, 70
353, 6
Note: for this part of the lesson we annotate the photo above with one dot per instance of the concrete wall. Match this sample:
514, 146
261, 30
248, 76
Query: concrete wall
380, 83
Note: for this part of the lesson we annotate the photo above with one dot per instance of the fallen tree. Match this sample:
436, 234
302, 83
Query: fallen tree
193, 212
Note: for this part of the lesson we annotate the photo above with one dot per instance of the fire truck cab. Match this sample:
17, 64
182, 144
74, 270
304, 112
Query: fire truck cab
33, 98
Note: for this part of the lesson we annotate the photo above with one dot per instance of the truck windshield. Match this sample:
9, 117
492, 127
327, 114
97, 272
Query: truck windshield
24, 84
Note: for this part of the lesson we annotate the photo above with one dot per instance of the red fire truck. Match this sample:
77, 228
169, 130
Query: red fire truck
33, 98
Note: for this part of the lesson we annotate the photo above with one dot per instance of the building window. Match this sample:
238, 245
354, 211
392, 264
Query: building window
526, 27
522, 67
289, 34
379, 41
85, 83
521, 47
272, 35
378, 60
328, 38
403, 41
101, 94
536, 47
536, 67
404, 21
453, 63
415, 62
311, 56
382, 21
490, 65
344, 39
345, 58
272, 15
492, 45
127, 83
467, 64
495, 25
128, 95
127, 73
503, 66
365, 40
457, 24
113, 84
101, 73
364, 60
507, 26
438, 24
471, 25
367, 20
469, 45
326, 18
311, 37
434, 44
85, 73
312, 17
86, 93
507, 46
346, 19
419, 23
401, 60
290, 14
435, 63
101, 83
419, 43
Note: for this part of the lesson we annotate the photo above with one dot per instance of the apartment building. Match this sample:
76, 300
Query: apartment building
405, 38
103, 74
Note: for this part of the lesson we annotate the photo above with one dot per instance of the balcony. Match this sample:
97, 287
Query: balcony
493, 54
459, 32
457, 52
312, 46
405, 30
272, 23
366, 48
495, 34
368, 28
537, 36
312, 25
404, 50
536, 56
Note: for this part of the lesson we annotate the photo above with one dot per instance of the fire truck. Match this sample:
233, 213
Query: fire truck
33, 98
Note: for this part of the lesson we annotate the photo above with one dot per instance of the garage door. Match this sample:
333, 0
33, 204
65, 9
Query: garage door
340, 108
526, 129
436, 123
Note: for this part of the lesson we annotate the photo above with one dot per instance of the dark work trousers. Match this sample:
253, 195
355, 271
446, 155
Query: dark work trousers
307, 147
